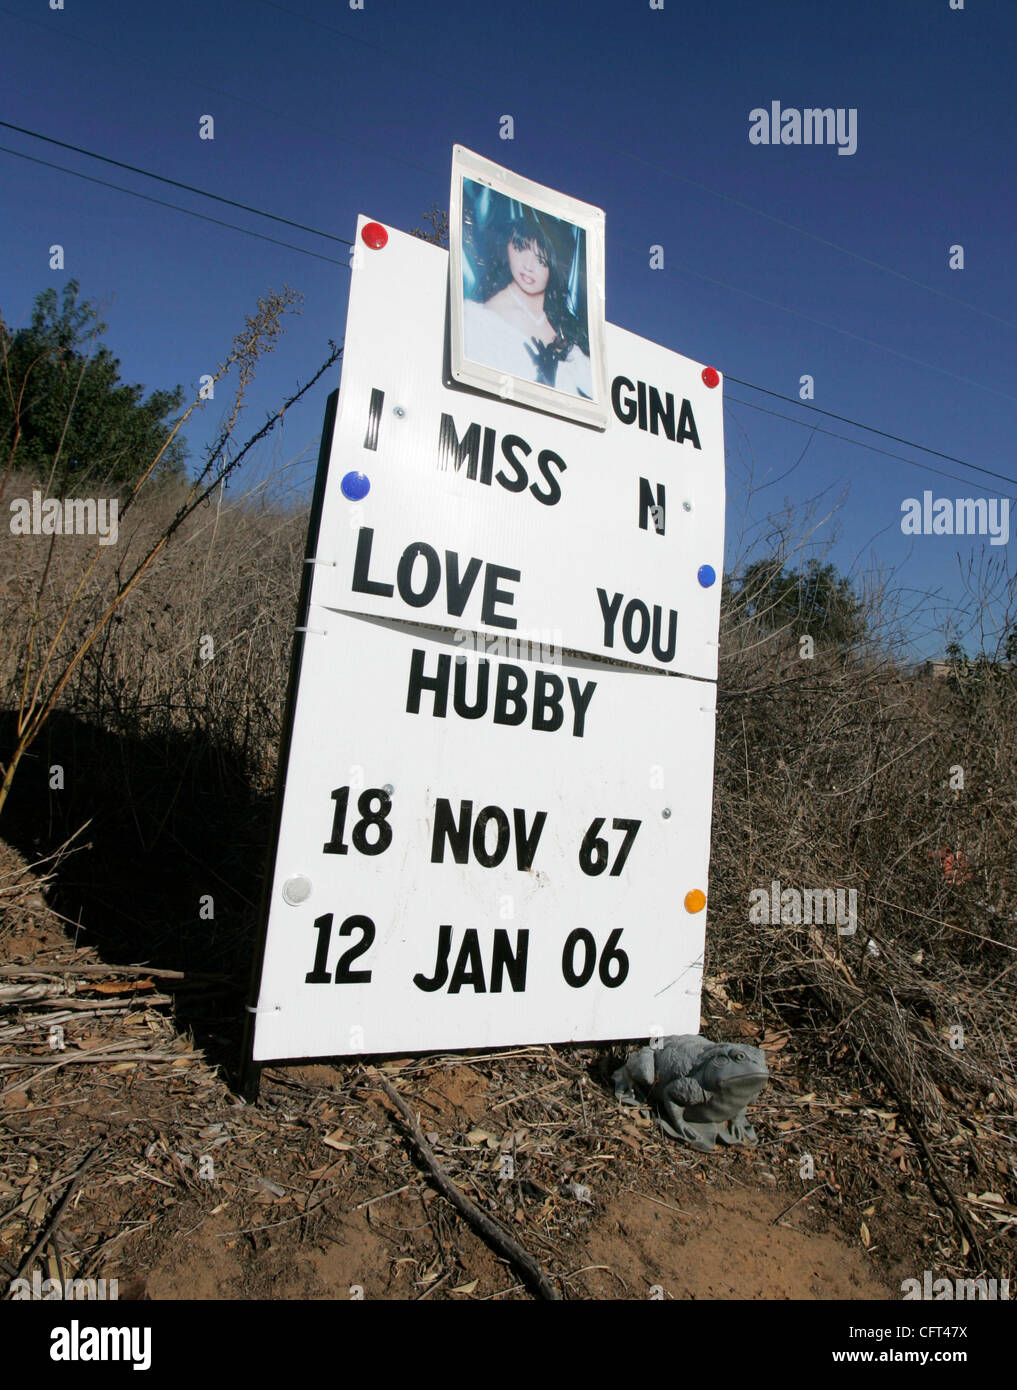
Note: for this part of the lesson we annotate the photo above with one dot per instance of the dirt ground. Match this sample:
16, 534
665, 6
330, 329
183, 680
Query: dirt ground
125, 1154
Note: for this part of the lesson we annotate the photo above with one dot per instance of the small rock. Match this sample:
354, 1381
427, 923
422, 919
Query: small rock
273, 1188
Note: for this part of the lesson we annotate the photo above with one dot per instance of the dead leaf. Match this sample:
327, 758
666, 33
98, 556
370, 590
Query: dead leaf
866, 1238
331, 1167
333, 1141
466, 1288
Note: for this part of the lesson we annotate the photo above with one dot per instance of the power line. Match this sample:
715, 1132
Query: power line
648, 164
314, 231
846, 333
104, 183
330, 260
350, 38
232, 226
161, 178
846, 420
861, 444
626, 154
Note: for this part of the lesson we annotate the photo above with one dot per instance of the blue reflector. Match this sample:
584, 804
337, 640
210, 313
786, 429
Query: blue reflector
357, 485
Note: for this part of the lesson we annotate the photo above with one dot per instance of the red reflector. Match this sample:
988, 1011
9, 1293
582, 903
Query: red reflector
374, 235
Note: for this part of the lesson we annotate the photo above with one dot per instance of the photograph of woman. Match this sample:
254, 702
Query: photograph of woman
524, 300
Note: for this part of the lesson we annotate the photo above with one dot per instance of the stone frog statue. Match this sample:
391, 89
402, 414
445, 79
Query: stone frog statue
701, 1088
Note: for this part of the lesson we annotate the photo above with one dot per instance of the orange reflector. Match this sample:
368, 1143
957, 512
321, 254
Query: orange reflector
695, 901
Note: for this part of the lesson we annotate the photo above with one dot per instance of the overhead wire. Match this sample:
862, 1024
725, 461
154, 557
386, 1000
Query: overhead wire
665, 171
105, 183
862, 444
846, 420
686, 269
314, 231
847, 333
161, 202
176, 183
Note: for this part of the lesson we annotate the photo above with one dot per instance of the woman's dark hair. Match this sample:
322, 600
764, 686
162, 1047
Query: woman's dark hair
522, 232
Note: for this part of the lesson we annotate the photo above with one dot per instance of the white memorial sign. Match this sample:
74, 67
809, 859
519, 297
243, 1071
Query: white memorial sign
485, 839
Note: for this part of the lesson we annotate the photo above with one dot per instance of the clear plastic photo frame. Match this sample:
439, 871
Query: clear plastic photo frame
575, 233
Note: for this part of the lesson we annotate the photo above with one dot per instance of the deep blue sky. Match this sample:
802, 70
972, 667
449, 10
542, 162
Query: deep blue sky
322, 112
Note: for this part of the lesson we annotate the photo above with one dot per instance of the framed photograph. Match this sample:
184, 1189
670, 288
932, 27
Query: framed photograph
526, 292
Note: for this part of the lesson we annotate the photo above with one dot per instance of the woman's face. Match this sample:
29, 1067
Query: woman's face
529, 270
